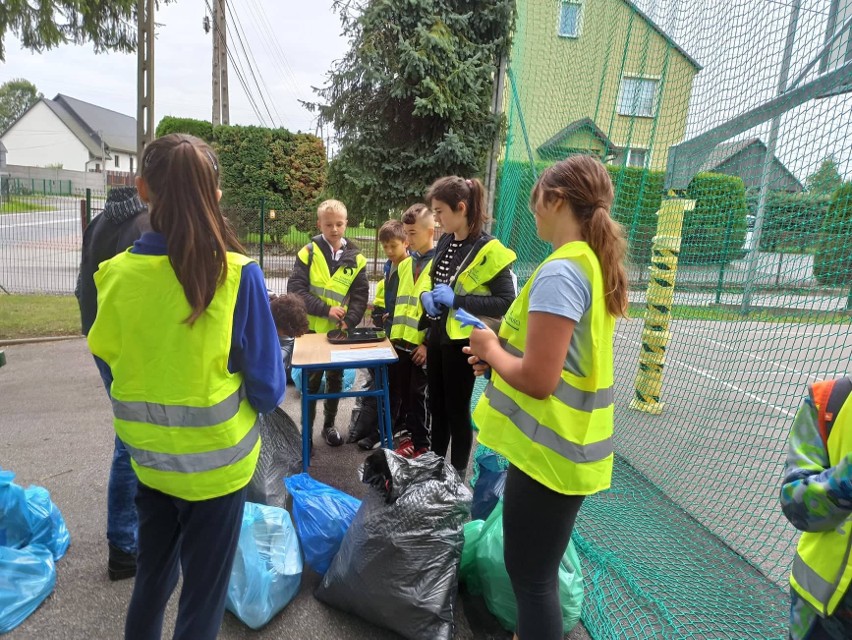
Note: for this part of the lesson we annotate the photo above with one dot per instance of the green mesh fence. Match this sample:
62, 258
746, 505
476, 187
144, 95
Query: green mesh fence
691, 542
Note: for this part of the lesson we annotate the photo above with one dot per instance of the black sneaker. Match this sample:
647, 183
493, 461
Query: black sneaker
121, 565
371, 442
332, 437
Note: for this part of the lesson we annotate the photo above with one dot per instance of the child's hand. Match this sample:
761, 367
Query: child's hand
429, 305
418, 356
480, 367
442, 294
337, 313
482, 341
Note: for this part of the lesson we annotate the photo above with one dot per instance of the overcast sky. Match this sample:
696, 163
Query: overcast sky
294, 43
739, 43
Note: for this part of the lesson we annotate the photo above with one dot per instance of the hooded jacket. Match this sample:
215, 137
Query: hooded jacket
122, 222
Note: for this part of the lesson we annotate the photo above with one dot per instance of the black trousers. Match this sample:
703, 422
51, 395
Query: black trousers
197, 538
537, 526
333, 384
450, 387
407, 382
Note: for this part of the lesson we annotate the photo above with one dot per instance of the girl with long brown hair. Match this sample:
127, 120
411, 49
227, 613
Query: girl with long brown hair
471, 269
190, 350
548, 406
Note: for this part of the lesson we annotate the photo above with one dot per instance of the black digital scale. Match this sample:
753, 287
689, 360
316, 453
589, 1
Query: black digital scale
358, 335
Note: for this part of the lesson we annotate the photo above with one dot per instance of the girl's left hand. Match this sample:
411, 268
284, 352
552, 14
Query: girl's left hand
482, 341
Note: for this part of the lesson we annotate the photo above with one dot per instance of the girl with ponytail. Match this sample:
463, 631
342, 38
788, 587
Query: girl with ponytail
188, 347
471, 269
548, 405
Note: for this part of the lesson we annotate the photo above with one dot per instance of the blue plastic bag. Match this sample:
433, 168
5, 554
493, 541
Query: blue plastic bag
267, 569
27, 577
29, 517
322, 514
489, 486
348, 379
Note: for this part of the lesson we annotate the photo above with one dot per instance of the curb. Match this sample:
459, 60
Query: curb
13, 343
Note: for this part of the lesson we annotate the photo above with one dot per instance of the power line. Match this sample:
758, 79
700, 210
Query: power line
240, 73
251, 63
269, 36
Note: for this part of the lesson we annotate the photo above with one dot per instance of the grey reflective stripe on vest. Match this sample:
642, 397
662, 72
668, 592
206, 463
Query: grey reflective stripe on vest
575, 398
544, 435
812, 582
171, 415
320, 292
407, 300
196, 462
405, 320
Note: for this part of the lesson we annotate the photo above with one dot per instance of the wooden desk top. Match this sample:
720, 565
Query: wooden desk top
315, 349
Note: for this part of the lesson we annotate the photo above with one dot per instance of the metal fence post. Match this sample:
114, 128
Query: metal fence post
88, 206
262, 229
721, 283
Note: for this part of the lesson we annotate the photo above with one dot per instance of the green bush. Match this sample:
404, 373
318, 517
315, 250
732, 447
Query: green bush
198, 128
638, 193
833, 260
714, 231
791, 221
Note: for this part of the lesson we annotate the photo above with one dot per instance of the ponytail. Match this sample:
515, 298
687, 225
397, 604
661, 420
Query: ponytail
583, 182
181, 173
454, 190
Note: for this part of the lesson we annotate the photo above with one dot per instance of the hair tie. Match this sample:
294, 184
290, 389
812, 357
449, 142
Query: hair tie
468, 183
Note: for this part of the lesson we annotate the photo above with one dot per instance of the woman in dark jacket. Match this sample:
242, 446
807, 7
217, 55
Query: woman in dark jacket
471, 270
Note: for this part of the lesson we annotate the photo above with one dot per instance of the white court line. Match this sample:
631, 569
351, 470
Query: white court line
36, 224
750, 354
703, 373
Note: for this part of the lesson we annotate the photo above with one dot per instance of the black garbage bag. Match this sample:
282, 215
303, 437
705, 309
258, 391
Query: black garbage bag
398, 564
280, 457
365, 415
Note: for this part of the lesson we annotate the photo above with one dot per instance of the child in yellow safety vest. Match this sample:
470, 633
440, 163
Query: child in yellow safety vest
329, 274
816, 497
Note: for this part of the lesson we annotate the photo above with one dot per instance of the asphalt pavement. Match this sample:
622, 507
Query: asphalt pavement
55, 431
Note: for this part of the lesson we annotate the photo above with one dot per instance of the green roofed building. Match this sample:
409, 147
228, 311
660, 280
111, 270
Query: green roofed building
598, 76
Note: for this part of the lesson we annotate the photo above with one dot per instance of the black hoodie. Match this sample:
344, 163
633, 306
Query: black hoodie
123, 220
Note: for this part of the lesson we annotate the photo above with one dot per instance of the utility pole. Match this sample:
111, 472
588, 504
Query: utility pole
223, 64
144, 77
221, 102
496, 145
217, 91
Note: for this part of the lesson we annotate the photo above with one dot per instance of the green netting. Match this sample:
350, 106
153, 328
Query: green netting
690, 542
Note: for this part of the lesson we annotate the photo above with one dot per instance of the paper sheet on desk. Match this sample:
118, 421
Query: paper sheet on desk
362, 355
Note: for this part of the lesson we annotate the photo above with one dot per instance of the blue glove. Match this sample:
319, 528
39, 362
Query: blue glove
429, 305
442, 294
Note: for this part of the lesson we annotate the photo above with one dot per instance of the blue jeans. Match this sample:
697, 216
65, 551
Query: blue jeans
122, 520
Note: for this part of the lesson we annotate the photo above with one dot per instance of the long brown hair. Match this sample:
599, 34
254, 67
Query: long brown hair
181, 173
454, 190
583, 182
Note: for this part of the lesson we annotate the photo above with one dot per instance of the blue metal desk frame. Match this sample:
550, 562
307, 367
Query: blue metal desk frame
381, 393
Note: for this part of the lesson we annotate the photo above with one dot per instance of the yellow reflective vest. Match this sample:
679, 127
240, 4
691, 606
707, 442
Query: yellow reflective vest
491, 259
409, 310
184, 418
822, 568
331, 289
563, 441
379, 300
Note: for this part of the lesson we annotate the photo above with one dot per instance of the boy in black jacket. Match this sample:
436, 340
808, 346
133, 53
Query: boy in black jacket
330, 275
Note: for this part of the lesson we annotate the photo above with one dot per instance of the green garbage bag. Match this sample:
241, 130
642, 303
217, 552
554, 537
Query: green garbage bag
495, 584
467, 571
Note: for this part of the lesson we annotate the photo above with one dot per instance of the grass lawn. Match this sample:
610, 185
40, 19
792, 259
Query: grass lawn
23, 205
721, 314
34, 316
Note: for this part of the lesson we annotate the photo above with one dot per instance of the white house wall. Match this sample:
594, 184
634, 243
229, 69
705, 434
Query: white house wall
41, 139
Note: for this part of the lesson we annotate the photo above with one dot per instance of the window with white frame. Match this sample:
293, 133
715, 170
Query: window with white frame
570, 14
631, 157
638, 97
117, 165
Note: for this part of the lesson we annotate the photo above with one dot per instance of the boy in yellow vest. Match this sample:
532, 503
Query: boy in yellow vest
407, 378
329, 275
816, 496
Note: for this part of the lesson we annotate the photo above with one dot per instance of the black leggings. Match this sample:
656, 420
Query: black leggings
450, 387
537, 525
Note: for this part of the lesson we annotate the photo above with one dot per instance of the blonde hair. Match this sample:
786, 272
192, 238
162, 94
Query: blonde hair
332, 206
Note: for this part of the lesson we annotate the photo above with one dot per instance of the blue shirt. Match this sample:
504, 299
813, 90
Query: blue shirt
561, 288
255, 351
